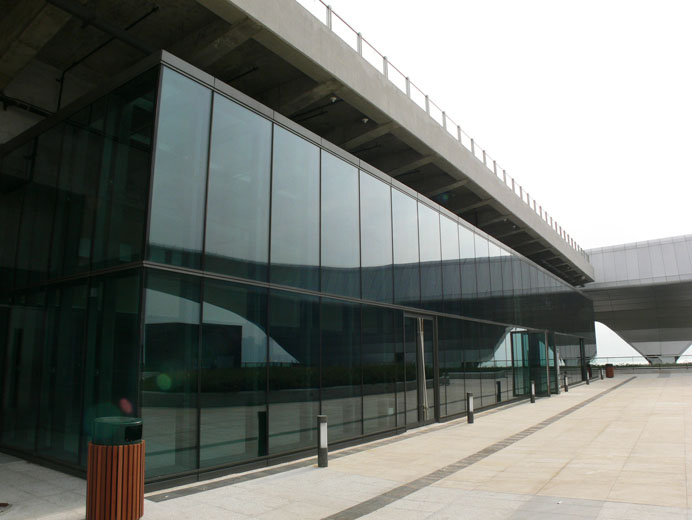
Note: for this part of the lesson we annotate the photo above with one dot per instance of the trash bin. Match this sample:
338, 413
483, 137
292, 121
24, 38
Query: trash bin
115, 470
610, 370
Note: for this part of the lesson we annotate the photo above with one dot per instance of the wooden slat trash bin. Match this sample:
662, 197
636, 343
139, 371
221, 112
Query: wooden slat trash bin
115, 470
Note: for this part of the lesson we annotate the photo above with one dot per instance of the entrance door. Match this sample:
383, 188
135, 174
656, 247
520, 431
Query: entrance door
422, 382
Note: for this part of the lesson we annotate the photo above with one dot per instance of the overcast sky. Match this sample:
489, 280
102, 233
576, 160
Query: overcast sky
588, 104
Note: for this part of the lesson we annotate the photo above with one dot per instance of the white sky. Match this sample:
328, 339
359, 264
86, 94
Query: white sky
588, 104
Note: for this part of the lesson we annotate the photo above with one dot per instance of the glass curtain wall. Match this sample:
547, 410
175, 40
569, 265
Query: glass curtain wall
254, 301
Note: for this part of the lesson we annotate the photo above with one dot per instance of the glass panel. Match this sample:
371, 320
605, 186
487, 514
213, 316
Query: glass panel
340, 234
10, 213
169, 375
430, 257
294, 328
341, 369
38, 210
379, 369
451, 267
77, 188
113, 348
21, 380
60, 415
123, 186
295, 239
411, 369
233, 415
467, 254
237, 234
452, 388
182, 141
376, 238
406, 257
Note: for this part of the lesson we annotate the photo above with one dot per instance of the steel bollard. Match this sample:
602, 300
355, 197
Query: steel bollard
322, 449
588, 379
601, 372
533, 391
469, 407
499, 391
566, 383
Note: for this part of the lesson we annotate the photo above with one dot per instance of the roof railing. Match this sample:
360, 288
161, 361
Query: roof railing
380, 62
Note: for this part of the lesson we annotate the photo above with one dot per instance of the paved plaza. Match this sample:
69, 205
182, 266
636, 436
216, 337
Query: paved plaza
615, 449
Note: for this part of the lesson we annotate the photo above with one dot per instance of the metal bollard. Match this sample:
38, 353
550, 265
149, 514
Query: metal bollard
499, 391
566, 383
533, 391
469, 407
588, 379
601, 372
322, 450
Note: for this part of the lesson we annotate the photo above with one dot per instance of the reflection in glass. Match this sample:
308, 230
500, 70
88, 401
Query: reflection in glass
379, 401
294, 336
169, 378
295, 223
177, 206
430, 256
406, 258
113, 348
341, 368
376, 238
237, 233
451, 266
233, 413
340, 233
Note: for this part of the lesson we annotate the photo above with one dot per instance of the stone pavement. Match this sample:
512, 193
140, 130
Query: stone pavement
616, 449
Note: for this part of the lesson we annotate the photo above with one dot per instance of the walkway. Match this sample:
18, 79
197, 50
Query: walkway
615, 449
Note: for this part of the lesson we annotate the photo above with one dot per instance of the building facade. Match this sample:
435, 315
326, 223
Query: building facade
177, 251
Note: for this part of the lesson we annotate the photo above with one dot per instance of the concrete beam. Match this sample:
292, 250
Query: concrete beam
304, 99
206, 46
510, 233
471, 207
410, 166
368, 136
24, 31
494, 220
445, 188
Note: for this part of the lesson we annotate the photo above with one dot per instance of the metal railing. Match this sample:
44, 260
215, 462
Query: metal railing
380, 62
640, 361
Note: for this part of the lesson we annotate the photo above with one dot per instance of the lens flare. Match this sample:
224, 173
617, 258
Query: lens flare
163, 381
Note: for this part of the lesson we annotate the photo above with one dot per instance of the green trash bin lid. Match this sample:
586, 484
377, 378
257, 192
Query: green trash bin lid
116, 431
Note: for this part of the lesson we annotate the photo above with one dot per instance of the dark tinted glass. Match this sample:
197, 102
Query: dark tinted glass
182, 141
112, 350
452, 389
430, 256
295, 238
21, 380
406, 257
38, 210
233, 415
123, 185
77, 189
379, 369
376, 238
237, 235
340, 229
294, 335
341, 368
60, 414
169, 375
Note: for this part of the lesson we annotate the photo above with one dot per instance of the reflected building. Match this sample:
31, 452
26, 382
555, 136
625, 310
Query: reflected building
177, 251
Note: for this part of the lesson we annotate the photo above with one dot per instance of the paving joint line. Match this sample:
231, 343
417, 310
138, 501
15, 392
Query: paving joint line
404, 490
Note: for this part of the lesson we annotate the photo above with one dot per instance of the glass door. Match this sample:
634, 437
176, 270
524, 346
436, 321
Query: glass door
421, 378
